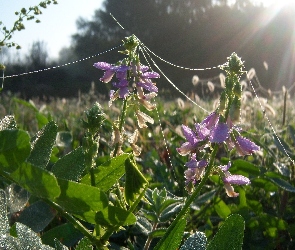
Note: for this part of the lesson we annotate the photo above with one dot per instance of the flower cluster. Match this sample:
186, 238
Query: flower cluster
213, 129
136, 73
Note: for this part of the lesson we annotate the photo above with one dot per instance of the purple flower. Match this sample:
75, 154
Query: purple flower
219, 133
121, 74
144, 77
123, 88
110, 71
191, 143
244, 146
229, 179
195, 169
211, 129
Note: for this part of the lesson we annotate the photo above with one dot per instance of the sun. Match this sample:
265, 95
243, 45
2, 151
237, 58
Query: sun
275, 3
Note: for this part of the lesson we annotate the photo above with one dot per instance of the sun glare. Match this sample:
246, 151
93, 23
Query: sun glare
275, 3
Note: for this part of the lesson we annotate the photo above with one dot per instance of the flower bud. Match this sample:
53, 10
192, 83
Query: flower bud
235, 64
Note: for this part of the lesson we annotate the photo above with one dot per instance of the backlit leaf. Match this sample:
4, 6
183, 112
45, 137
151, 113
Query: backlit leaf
172, 240
71, 166
115, 216
14, 148
107, 174
230, 235
37, 181
81, 199
42, 145
135, 181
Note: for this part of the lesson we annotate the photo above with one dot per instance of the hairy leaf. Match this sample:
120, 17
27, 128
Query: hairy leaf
135, 181
71, 166
173, 240
230, 235
197, 241
42, 145
107, 174
37, 181
82, 200
14, 148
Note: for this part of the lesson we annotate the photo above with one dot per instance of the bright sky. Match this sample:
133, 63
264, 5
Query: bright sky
58, 22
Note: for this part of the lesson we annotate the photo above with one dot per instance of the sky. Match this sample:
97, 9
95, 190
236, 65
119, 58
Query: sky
58, 22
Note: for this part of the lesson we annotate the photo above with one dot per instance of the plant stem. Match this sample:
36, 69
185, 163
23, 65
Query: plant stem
121, 123
77, 224
149, 240
188, 202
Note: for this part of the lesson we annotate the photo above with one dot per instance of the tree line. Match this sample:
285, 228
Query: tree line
196, 34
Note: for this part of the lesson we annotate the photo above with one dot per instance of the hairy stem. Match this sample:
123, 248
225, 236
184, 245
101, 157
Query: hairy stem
121, 123
188, 202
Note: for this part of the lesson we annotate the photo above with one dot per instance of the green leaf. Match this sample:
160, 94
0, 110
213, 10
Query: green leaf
282, 146
41, 119
7, 123
173, 240
42, 145
14, 148
197, 241
29, 104
230, 235
84, 244
28, 239
9, 242
264, 183
115, 216
59, 245
282, 184
37, 216
107, 174
65, 233
203, 199
170, 211
221, 208
135, 181
38, 181
142, 226
245, 168
71, 166
157, 233
4, 223
82, 200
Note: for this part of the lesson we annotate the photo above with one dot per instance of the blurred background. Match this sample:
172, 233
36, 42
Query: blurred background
190, 33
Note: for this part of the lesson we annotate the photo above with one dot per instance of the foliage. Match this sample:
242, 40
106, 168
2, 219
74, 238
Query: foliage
108, 182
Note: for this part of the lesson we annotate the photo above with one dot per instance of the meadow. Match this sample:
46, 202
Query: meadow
80, 173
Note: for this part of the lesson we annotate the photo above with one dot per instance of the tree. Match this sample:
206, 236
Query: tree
38, 55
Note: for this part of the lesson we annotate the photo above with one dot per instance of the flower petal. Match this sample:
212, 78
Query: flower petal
102, 65
185, 148
245, 146
108, 75
237, 180
150, 75
189, 134
230, 190
219, 133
